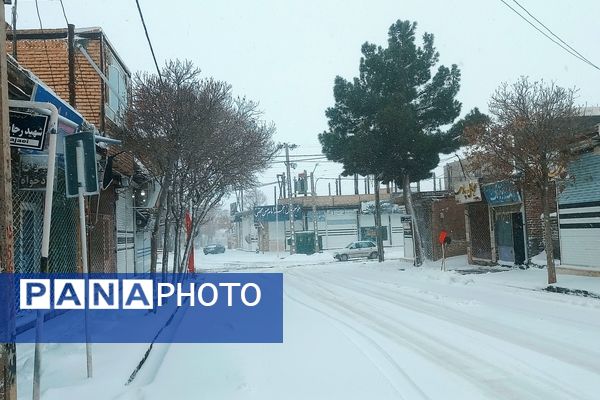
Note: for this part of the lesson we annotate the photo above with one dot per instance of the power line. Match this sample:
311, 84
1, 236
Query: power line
63, 11
149, 42
555, 35
303, 155
547, 36
318, 160
80, 73
37, 9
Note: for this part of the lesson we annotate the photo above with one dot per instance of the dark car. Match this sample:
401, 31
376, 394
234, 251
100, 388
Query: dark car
214, 249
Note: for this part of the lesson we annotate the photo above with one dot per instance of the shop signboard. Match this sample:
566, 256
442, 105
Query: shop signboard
467, 192
501, 193
27, 130
268, 213
33, 171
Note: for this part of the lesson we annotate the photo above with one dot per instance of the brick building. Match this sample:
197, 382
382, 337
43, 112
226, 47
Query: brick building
437, 211
102, 84
503, 223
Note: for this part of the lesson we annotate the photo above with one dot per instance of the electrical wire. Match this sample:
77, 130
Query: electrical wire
555, 35
79, 72
303, 155
149, 41
63, 11
574, 54
37, 9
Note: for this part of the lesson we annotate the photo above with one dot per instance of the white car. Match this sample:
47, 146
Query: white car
363, 248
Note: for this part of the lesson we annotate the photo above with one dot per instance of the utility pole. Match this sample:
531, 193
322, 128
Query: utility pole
314, 209
8, 351
71, 58
14, 30
276, 219
355, 183
290, 205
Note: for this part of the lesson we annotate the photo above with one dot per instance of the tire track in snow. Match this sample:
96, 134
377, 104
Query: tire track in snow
564, 352
388, 358
443, 315
442, 354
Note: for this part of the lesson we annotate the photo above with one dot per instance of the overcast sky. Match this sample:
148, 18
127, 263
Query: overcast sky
285, 54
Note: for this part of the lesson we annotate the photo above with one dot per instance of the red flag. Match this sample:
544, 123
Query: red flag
442, 237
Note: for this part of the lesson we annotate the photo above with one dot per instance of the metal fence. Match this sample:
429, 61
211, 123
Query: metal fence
101, 232
28, 212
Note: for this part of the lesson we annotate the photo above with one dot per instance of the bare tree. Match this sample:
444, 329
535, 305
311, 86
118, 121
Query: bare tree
528, 135
254, 198
198, 141
235, 149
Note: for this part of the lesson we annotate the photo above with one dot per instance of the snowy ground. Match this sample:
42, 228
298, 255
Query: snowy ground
364, 330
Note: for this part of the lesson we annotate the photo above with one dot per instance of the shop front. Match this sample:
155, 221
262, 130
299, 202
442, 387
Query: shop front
507, 230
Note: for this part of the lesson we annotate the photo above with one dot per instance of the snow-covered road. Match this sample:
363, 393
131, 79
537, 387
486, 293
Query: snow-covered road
364, 330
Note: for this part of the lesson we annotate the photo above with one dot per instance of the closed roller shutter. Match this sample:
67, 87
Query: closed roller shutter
142, 251
579, 213
125, 233
341, 228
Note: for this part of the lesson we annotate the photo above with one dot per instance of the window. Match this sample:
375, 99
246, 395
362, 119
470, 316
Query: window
117, 92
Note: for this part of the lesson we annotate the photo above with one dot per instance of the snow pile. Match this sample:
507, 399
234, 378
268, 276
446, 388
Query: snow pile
540, 260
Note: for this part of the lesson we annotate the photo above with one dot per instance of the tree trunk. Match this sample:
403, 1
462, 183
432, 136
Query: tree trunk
378, 221
177, 247
164, 188
411, 210
188, 248
548, 244
165, 255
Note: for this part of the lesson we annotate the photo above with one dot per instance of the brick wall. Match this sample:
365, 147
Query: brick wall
448, 215
534, 223
434, 214
48, 59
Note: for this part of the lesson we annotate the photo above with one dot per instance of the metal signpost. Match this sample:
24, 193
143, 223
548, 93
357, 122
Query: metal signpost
89, 186
82, 180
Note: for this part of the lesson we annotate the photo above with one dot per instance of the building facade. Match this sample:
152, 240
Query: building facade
579, 209
118, 237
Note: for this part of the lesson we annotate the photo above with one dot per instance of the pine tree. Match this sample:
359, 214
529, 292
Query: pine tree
386, 122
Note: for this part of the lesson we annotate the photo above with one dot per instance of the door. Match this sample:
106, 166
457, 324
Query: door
504, 237
354, 250
369, 248
363, 249
519, 238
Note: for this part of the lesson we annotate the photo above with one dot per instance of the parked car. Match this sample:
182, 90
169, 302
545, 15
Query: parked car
363, 248
214, 249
